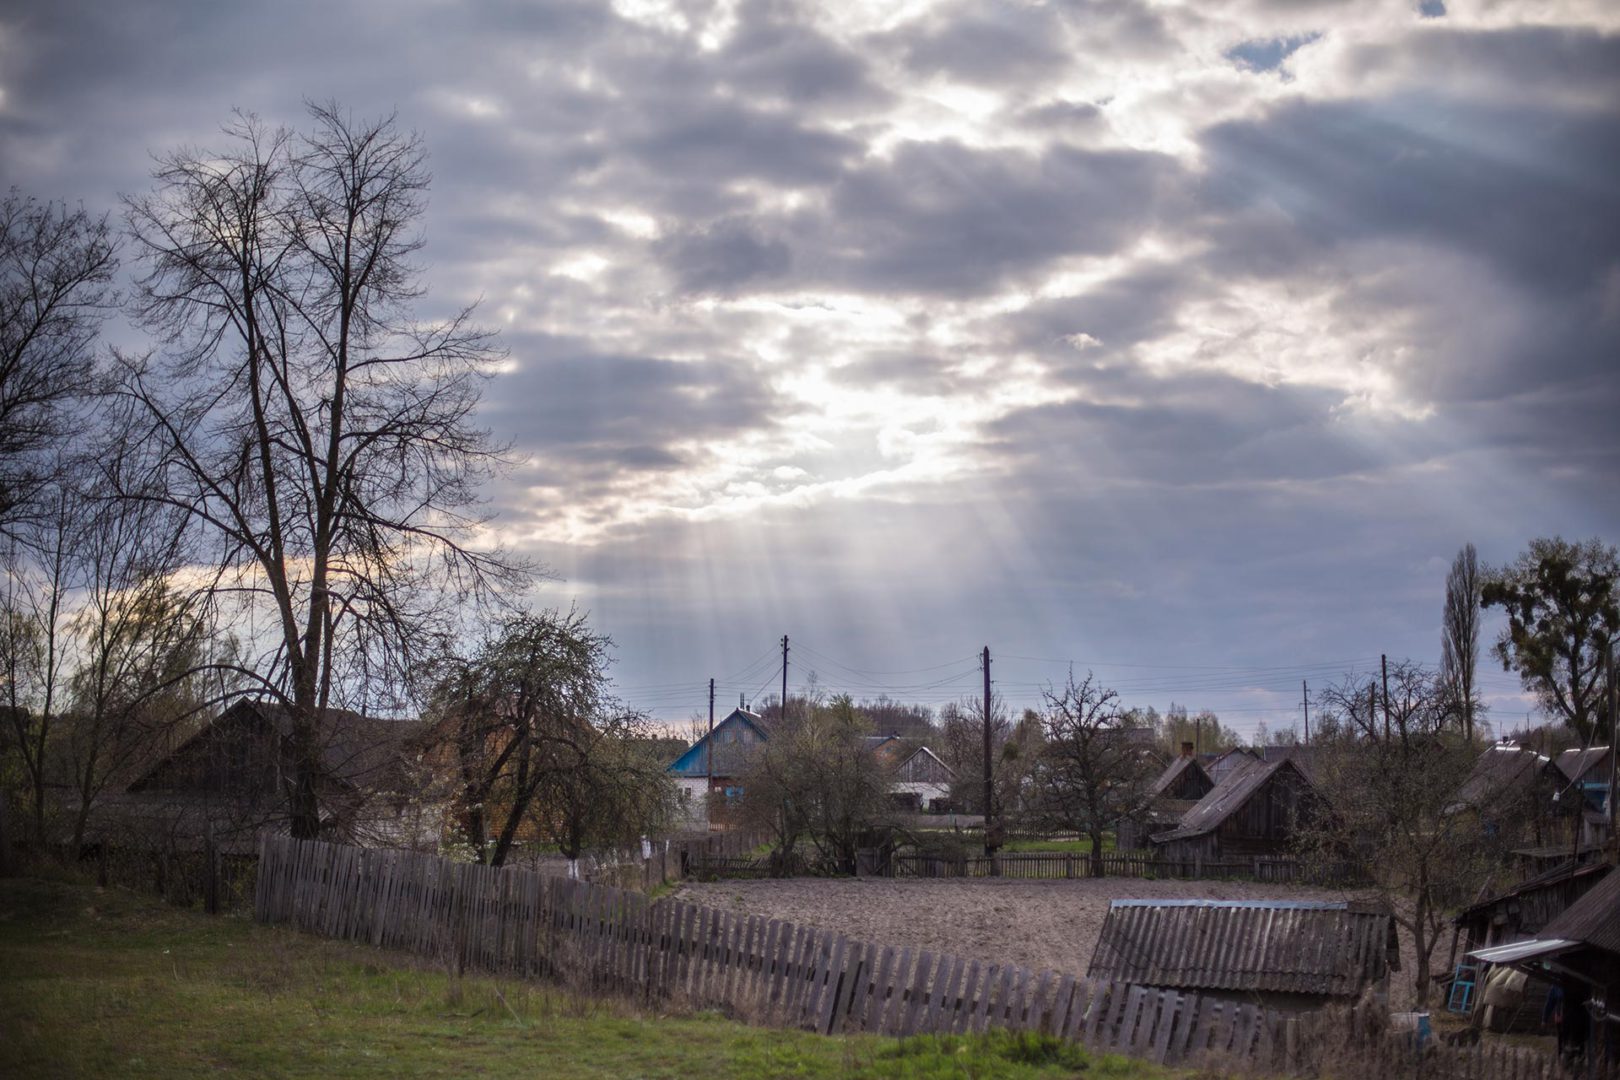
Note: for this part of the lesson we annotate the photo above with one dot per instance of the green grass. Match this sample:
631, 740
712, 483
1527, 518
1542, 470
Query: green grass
1081, 846
97, 982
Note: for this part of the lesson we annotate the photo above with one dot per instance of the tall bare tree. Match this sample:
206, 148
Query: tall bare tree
1093, 769
56, 271
1391, 769
1459, 638
319, 437
1562, 601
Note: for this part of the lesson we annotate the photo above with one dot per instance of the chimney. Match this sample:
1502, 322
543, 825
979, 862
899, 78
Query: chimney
1186, 749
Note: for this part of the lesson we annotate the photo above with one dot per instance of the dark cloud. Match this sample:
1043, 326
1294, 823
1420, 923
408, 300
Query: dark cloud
946, 218
773, 54
1115, 315
567, 396
1063, 118
1190, 430
997, 45
716, 142
723, 256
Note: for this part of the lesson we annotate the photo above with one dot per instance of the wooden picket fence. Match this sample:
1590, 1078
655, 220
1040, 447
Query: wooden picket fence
1035, 865
527, 924
532, 925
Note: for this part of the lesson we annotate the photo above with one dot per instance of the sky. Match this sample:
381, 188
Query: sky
1182, 342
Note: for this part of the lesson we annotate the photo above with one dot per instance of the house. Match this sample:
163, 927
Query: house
1508, 787
922, 781
1175, 791
232, 777
1251, 813
709, 773
1579, 951
1514, 915
1220, 765
1585, 775
715, 764
1292, 954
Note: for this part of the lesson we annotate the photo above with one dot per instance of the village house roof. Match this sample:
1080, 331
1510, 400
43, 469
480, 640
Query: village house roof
1591, 926
1591, 763
1172, 773
1228, 761
1331, 948
1593, 920
732, 737
1568, 874
1226, 798
1501, 773
362, 752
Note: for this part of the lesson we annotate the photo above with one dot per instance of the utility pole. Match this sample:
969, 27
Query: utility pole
784, 677
1305, 703
1383, 662
709, 742
989, 787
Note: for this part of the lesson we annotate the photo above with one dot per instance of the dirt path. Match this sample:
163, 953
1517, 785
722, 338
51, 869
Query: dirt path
1038, 924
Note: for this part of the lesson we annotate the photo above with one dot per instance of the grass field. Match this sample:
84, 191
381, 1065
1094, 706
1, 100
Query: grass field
97, 982
1081, 846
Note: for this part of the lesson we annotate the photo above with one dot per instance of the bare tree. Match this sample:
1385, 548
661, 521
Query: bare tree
1092, 769
39, 576
319, 438
1390, 771
1459, 638
142, 646
1013, 749
56, 270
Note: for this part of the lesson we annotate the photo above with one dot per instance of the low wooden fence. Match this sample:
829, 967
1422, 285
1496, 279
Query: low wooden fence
1054, 865
527, 924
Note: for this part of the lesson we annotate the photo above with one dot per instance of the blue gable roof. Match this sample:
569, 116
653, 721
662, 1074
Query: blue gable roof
739, 727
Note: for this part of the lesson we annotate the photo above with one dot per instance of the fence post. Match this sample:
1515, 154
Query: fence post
210, 872
6, 866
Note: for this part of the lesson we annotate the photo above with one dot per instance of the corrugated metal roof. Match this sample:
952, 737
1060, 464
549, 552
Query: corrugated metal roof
1523, 950
1304, 947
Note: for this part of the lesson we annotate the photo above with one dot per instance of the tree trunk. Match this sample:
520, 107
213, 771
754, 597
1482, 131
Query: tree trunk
1096, 852
1419, 929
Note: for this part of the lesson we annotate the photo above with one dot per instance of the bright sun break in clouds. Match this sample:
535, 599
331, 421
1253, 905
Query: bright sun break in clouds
1104, 329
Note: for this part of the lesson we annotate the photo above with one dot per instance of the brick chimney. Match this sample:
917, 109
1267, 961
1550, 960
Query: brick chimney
1186, 749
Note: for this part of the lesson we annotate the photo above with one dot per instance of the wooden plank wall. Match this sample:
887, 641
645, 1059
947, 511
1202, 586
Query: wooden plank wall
527, 924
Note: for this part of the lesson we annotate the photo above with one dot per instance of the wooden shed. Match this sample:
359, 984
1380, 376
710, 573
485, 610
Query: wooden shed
1251, 813
1296, 954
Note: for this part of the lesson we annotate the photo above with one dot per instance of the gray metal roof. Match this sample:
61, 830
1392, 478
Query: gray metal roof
1306, 947
1576, 763
1522, 950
